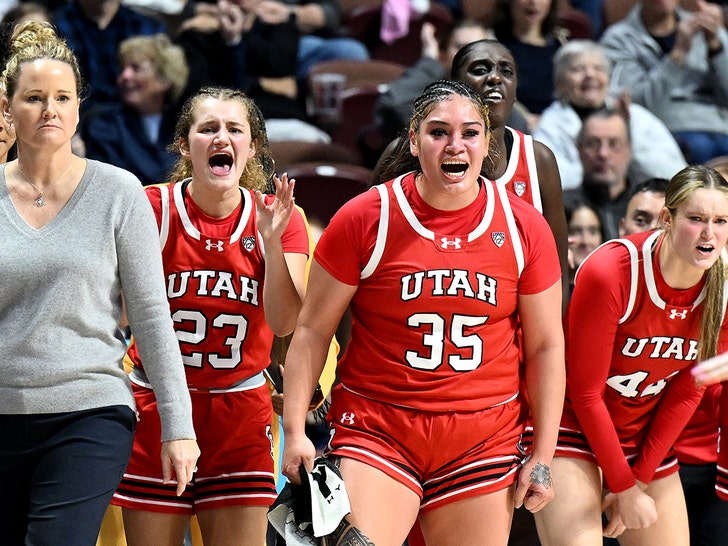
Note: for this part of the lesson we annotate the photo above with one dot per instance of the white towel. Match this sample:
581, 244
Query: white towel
302, 514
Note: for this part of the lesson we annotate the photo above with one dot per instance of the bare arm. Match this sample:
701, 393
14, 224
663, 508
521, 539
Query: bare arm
553, 210
543, 341
324, 305
284, 282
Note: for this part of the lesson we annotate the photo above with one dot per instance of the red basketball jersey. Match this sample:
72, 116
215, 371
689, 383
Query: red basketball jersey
215, 289
631, 340
521, 176
434, 315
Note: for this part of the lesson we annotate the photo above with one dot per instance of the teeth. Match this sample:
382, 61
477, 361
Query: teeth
454, 167
494, 95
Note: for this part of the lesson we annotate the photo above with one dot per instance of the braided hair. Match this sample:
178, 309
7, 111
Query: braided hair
399, 159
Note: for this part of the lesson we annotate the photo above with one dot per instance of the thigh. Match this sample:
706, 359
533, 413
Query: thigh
478, 521
16, 465
77, 471
154, 528
372, 496
698, 145
721, 145
672, 519
575, 514
233, 525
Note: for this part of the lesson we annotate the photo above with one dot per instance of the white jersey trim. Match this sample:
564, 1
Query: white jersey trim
650, 275
376, 256
512, 228
533, 173
530, 162
513, 159
192, 231
414, 222
164, 223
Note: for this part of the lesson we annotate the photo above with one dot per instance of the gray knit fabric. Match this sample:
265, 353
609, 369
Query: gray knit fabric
60, 302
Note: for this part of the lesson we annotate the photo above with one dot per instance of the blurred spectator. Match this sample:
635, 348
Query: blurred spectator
7, 136
230, 44
154, 7
643, 208
605, 151
211, 36
18, 14
581, 79
6, 5
528, 29
94, 29
585, 234
27, 11
394, 106
594, 9
135, 134
675, 63
319, 23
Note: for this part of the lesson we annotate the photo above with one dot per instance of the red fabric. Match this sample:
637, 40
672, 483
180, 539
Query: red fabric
628, 379
434, 324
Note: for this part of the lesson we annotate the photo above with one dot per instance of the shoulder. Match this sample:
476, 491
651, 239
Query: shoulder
557, 118
618, 31
122, 181
365, 204
543, 153
638, 114
546, 165
552, 109
606, 264
528, 219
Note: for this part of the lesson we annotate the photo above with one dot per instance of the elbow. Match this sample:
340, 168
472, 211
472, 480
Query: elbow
282, 328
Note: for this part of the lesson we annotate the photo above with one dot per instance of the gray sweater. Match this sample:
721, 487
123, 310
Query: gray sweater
691, 97
60, 303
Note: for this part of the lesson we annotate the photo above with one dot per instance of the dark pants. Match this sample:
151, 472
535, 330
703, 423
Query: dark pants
58, 473
707, 514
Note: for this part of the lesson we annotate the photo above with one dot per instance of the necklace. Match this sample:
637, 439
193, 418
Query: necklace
39, 201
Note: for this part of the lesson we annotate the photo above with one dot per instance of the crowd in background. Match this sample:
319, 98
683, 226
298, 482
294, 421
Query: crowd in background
603, 120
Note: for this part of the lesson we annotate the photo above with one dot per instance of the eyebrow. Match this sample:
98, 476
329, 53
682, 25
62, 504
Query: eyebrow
446, 123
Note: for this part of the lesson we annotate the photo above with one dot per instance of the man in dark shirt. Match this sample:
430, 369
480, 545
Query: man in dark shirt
605, 151
94, 29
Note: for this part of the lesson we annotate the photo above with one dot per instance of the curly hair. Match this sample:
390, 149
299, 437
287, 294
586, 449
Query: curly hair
258, 169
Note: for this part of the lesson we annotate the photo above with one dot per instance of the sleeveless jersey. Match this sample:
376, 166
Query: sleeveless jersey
521, 176
434, 314
215, 291
631, 340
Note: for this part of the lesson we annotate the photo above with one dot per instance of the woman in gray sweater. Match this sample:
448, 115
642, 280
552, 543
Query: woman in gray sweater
74, 235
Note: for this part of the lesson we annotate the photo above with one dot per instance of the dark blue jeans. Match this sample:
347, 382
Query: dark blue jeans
699, 147
58, 473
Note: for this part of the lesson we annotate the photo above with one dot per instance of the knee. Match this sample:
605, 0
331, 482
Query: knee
350, 49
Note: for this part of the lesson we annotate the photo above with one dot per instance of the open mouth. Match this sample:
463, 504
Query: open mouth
493, 95
705, 249
454, 168
221, 164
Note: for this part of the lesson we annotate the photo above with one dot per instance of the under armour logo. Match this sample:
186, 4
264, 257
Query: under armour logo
674, 313
248, 243
455, 243
210, 245
347, 418
519, 188
498, 238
